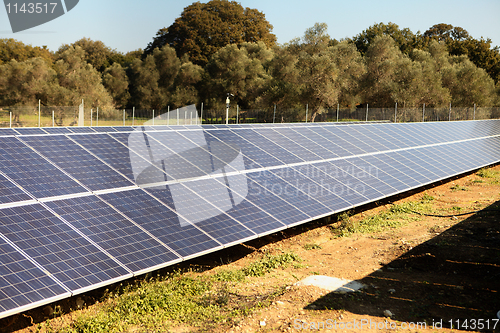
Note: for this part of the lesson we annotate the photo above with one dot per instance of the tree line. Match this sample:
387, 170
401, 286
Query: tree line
220, 47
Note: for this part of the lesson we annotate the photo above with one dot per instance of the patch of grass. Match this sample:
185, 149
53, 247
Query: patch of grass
312, 246
269, 263
189, 299
396, 216
457, 187
486, 173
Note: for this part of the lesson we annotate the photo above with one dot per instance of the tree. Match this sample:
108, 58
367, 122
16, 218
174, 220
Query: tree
98, 54
24, 83
382, 60
162, 79
351, 68
459, 42
116, 82
11, 49
445, 32
317, 70
240, 71
468, 84
79, 80
204, 28
405, 39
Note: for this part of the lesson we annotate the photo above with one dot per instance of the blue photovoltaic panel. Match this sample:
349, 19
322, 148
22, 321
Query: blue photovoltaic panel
103, 129
21, 282
59, 249
32, 172
56, 130
301, 152
184, 238
254, 156
203, 203
124, 128
124, 240
10, 192
81, 129
204, 188
7, 131
313, 151
268, 146
29, 131
121, 158
77, 162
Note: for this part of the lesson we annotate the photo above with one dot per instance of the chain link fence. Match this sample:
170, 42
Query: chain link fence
52, 116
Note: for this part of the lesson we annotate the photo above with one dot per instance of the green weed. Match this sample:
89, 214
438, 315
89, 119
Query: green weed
457, 187
179, 298
312, 246
396, 216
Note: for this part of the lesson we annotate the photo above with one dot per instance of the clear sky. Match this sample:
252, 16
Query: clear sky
127, 25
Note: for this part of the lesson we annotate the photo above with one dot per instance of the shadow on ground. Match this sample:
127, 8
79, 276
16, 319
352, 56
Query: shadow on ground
453, 276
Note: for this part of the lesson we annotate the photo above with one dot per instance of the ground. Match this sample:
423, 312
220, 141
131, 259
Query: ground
422, 273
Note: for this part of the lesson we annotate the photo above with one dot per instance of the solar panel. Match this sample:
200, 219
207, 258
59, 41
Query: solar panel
29, 131
9, 192
77, 162
116, 234
23, 285
59, 249
7, 131
32, 172
160, 221
56, 130
84, 207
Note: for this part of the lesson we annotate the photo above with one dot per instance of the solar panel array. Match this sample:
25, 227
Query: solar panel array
81, 208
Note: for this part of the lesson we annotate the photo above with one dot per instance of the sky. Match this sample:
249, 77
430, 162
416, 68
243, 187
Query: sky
126, 25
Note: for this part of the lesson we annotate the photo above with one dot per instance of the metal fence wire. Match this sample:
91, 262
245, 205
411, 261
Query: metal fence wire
48, 116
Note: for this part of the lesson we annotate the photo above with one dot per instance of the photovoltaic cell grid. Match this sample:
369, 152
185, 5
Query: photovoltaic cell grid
82, 208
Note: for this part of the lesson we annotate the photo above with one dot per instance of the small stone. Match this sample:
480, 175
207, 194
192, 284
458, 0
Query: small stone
388, 313
280, 302
48, 310
392, 291
262, 323
79, 303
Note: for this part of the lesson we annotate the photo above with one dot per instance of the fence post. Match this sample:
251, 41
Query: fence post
90, 118
474, 112
338, 111
10, 119
237, 113
123, 117
53, 118
40, 112
366, 111
423, 113
307, 110
177, 116
396, 113
449, 115
153, 117
201, 113
133, 115
97, 117
274, 114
